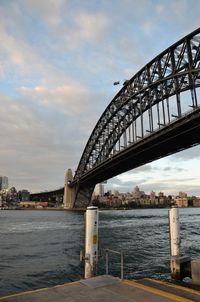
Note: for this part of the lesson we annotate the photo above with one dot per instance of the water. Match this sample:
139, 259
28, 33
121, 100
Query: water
41, 248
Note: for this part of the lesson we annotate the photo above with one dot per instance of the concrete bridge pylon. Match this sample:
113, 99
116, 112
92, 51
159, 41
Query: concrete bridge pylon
69, 192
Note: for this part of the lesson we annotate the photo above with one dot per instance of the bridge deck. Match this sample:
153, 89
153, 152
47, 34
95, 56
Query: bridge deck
109, 289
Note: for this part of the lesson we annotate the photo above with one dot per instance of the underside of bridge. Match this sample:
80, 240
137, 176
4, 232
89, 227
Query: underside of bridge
180, 135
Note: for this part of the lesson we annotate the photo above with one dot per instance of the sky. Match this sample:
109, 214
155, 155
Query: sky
58, 62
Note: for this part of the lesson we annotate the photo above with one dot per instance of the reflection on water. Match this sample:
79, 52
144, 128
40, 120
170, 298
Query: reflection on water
41, 248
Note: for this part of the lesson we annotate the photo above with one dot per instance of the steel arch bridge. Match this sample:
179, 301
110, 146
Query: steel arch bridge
156, 113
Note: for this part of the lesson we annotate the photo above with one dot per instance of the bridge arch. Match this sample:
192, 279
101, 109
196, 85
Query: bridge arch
146, 99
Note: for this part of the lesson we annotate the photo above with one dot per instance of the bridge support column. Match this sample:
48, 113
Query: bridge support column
76, 196
69, 192
83, 196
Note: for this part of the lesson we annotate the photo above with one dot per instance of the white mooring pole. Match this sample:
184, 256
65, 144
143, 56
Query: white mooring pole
91, 241
174, 231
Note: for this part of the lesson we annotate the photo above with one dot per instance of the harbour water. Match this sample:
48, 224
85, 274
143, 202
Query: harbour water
41, 248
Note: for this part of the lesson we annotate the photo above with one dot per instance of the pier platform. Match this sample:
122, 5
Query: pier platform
109, 289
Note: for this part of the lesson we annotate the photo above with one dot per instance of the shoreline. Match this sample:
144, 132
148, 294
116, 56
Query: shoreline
84, 209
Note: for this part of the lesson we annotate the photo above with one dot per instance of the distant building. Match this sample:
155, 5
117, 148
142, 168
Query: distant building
161, 198
181, 202
196, 202
152, 197
136, 193
99, 190
182, 195
24, 195
161, 194
3, 182
115, 192
27, 204
33, 204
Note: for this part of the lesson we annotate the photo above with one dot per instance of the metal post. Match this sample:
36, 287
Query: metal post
174, 232
106, 262
121, 258
91, 241
180, 265
122, 266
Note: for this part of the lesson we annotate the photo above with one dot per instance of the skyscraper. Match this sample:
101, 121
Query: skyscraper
3, 182
99, 189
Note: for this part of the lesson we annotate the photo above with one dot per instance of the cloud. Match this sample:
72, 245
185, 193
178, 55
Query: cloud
172, 185
128, 186
91, 26
80, 30
177, 169
37, 143
72, 99
161, 175
135, 174
49, 10
25, 61
148, 27
188, 154
166, 184
76, 26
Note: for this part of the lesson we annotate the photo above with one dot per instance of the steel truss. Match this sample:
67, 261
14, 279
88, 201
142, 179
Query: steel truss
143, 105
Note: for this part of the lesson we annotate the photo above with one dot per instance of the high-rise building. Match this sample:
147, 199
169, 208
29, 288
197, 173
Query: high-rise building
153, 196
99, 190
136, 192
115, 192
182, 195
3, 182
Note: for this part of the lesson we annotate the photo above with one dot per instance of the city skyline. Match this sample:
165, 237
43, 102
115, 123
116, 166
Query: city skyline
59, 60
156, 192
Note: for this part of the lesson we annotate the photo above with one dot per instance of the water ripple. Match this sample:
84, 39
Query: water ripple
41, 248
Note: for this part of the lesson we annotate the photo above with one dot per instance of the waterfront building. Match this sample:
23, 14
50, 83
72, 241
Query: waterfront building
181, 202
24, 195
196, 202
33, 204
27, 204
147, 201
161, 198
139, 199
